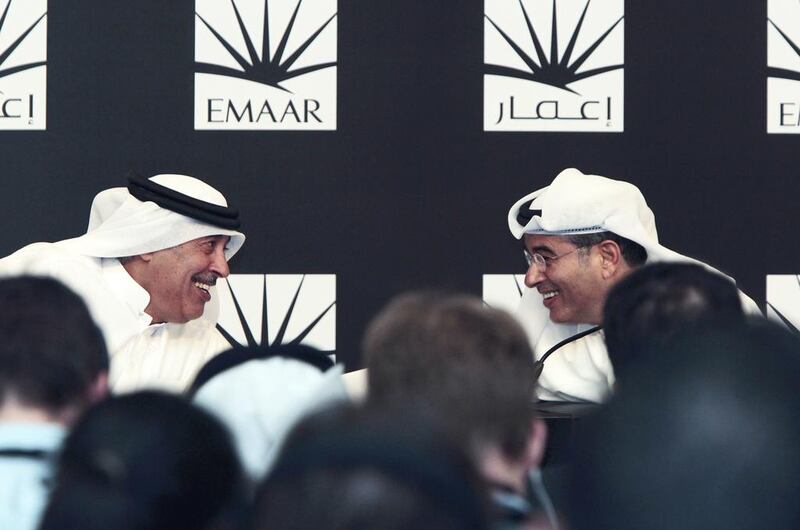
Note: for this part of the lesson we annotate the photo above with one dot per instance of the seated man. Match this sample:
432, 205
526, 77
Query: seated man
146, 268
53, 364
470, 367
658, 302
582, 235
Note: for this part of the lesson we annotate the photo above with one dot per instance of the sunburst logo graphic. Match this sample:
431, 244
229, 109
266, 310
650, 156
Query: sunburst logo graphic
783, 66
555, 71
265, 64
503, 291
278, 309
783, 300
553, 66
23, 59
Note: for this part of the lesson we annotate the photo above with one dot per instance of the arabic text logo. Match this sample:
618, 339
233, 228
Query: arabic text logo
553, 65
23, 64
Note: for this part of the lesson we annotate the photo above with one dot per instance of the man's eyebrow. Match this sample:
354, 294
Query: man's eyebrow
542, 248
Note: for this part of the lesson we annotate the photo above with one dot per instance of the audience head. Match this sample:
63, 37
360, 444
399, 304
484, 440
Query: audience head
659, 301
144, 461
52, 355
353, 469
468, 363
259, 393
706, 435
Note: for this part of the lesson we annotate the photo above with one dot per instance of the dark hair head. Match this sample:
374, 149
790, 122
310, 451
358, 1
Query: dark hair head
633, 253
144, 461
658, 301
353, 469
705, 435
452, 354
50, 349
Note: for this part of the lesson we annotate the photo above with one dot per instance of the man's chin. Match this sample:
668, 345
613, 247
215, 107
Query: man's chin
561, 318
557, 318
194, 314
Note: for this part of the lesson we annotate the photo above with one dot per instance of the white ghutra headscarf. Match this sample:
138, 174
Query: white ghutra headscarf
121, 225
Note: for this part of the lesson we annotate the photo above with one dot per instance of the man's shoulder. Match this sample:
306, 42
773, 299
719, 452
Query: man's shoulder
23, 479
44, 436
47, 259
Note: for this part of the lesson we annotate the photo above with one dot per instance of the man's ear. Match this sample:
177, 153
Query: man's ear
145, 257
611, 256
537, 443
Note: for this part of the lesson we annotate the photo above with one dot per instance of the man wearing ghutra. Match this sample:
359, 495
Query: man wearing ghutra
582, 235
146, 268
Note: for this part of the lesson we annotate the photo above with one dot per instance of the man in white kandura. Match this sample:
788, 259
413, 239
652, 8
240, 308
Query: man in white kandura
146, 268
582, 234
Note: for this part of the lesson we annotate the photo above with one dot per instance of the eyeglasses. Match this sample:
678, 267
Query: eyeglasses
542, 262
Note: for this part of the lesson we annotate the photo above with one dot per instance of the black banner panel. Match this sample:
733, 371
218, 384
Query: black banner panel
375, 147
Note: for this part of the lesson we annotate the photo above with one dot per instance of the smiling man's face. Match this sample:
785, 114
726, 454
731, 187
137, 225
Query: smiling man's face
178, 278
572, 284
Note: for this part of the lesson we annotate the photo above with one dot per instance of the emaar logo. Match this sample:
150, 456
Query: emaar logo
783, 300
265, 64
783, 66
278, 309
553, 66
503, 291
23, 60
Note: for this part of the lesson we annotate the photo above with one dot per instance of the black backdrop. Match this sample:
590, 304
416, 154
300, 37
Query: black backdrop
409, 191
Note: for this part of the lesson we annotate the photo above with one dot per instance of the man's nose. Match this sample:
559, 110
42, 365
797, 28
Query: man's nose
219, 265
533, 276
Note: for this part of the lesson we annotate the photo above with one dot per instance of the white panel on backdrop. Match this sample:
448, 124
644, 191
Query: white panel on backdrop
553, 66
783, 299
23, 64
503, 291
300, 309
265, 65
783, 66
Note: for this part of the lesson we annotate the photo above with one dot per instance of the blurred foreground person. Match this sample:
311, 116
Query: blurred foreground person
351, 469
145, 461
705, 436
470, 367
53, 364
259, 393
658, 302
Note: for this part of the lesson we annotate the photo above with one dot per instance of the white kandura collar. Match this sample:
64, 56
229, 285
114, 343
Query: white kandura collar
124, 286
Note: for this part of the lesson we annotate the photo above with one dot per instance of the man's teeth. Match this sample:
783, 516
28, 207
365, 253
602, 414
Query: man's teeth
203, 286
549, 294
